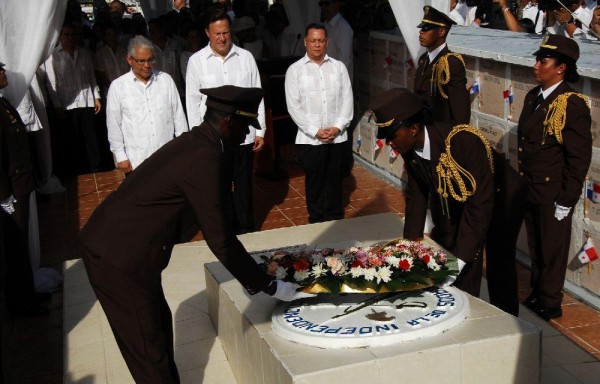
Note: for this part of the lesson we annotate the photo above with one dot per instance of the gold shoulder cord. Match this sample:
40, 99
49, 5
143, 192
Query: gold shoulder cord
440, 75
450, 172
556, 117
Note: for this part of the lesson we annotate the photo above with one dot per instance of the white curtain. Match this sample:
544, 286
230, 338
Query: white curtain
28, 31
408, 15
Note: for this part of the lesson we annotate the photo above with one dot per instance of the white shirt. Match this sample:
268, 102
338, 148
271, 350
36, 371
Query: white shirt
425, 152
433, 54
584, 15
71, 80
28, 115
319, 96
111, 64
531, 12
141, 118
549, 90
339, 42
208, 70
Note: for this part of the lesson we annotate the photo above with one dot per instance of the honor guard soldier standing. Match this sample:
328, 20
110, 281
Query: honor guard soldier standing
555, 150
440, 79
129, 237
475, 196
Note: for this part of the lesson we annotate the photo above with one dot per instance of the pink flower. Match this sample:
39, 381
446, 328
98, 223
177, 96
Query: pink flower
336, 265
361, 256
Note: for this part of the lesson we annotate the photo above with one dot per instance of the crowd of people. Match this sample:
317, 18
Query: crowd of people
181, 99
571, 18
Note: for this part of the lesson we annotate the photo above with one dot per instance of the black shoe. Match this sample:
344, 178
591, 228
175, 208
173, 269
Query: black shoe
41, 297
28, 310
547, 313
531, 301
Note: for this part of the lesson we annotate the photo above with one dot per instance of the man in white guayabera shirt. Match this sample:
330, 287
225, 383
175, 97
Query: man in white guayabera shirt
319, 99
144, 111
223, 63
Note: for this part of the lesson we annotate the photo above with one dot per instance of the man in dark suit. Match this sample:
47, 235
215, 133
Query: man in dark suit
16, 184
555, 150
466, 183
440, 79
129, 238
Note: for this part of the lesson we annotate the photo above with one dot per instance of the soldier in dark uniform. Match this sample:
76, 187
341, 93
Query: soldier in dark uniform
440, 79
555, 149
128, 240
16, 184
468, 186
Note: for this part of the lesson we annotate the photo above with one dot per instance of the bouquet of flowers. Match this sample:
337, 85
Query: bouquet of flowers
398, 265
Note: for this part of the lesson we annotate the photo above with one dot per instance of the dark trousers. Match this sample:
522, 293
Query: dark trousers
238, 167
140, 319
501, 248
323, 166
19, 285
80, 122
548, 241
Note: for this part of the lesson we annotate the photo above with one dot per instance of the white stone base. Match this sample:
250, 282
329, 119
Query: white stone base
490, 346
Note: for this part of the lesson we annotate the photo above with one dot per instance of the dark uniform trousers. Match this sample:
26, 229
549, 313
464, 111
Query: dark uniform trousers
238, 168
549, 258
138, 310
323, 166
81, 122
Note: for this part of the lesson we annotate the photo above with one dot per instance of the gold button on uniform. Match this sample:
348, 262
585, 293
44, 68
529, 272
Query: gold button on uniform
547, 178
521, 173
520, 149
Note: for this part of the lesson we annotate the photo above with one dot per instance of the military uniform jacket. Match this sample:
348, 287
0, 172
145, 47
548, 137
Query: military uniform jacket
456, 108
554, 172
463, 233
136, 227
16, 177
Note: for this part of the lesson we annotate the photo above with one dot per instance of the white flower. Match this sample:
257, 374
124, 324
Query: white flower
318, 270
369, 273
301, 275
317, 258
385, 274
433, 265
280, 273
392, 260
356, 272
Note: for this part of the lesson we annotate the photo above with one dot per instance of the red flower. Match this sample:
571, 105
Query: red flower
404, 264
426, 259
356, 264
301, 265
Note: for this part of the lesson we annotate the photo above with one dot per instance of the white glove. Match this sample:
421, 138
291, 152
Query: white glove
451, 279
8, 205
561, 212
287, 291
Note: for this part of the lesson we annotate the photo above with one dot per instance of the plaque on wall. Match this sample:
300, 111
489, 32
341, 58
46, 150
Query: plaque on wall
397, 63
378, 58
595, 110
493, 130
492, 78
522, 82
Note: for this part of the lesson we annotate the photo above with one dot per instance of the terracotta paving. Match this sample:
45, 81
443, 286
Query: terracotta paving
37, 353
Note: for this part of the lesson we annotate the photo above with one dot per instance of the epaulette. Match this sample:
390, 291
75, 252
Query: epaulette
556, 117
440, 75
450, 173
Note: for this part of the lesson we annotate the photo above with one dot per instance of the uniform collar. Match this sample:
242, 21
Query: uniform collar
425, 153
433, 54
551, 89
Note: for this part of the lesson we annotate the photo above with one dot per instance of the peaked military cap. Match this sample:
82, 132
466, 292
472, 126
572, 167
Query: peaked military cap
433, 18
390, 108
235, 100
555, 45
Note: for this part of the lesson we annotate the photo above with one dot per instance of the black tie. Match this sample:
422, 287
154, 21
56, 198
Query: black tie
536, 103
426, 64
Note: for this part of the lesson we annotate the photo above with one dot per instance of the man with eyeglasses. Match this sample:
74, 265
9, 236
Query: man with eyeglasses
223, 63
319, 98
144, 111
441, 74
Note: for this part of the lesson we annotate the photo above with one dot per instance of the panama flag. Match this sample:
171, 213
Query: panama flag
596, 193
393, 153
474, 89
588, 253
378, 145
511, 96
358, 142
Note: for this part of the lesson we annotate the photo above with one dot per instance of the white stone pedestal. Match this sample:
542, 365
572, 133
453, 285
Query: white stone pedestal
490, 346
